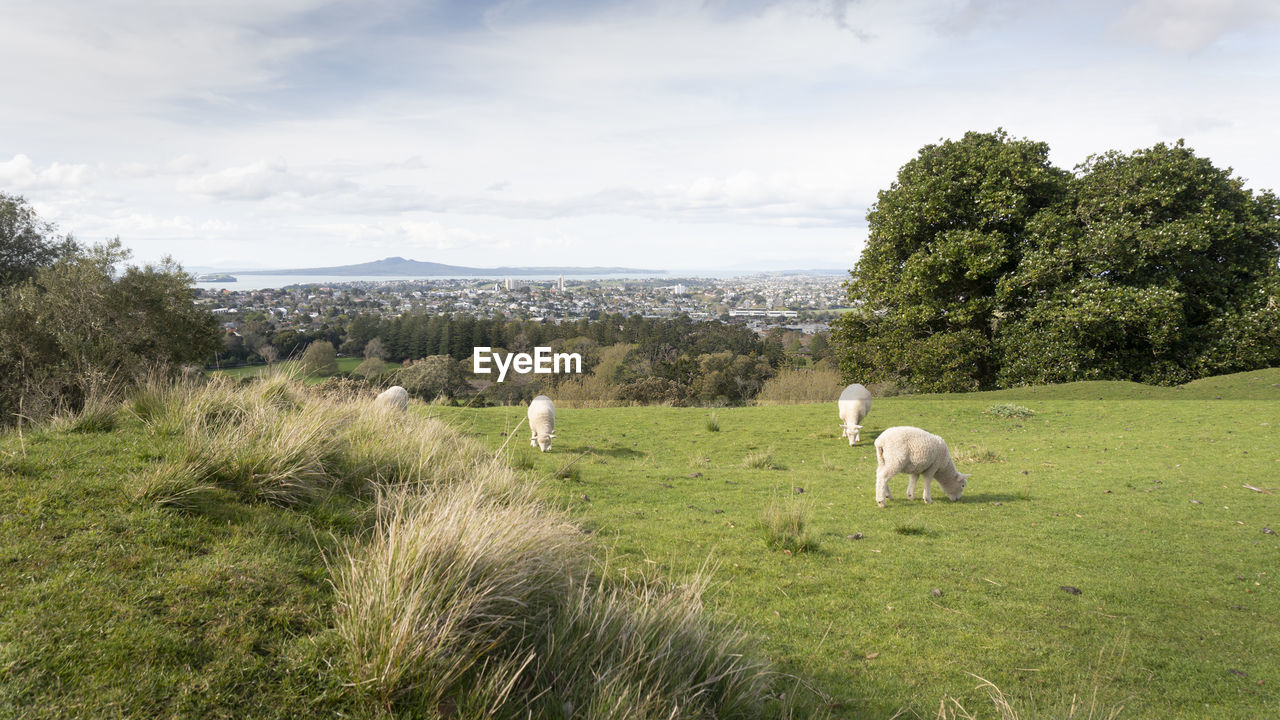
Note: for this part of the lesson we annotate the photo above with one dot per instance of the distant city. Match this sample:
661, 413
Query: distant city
802, 302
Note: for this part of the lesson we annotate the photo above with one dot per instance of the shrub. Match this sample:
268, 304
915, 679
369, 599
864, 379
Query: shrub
81, 326
320, 358
432, 377
370, 368
654, 391
792, 387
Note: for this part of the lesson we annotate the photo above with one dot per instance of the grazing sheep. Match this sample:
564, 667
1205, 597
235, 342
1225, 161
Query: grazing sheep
393, 398
913, 451
542, 422
855, 403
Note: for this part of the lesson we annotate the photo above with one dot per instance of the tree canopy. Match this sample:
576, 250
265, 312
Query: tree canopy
988, 267
80, 325
27, 243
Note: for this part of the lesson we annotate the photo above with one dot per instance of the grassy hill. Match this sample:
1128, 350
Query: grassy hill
1130, 494
290, 367
149, 570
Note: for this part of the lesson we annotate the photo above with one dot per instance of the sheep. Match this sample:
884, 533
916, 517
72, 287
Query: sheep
393, 398
542, 422
855, 403
915, 452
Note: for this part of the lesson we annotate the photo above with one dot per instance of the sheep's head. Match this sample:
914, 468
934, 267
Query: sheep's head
543, 441
851, 432
956, 486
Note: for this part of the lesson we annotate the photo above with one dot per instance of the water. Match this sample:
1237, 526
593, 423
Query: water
263, 282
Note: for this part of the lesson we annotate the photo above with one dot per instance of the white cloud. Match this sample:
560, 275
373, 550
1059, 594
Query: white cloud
21, 173
262, 180
1193, 25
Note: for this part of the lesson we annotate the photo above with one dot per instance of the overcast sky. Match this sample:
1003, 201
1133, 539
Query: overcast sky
648, 133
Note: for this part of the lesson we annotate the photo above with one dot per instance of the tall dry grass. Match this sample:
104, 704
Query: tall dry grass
794, 387
277, 441
470, 596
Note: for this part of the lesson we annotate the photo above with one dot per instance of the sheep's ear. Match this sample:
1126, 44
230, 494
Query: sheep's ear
552, 435
857, 427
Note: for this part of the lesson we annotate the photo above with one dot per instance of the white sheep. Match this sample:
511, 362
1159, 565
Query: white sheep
542, 422
855, 403
916, 452
393, 398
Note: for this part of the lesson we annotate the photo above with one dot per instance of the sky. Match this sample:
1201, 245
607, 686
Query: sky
713, 134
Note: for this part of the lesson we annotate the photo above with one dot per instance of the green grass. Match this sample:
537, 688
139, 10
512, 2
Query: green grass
115, 607
345, 365
1178, 614
262, 550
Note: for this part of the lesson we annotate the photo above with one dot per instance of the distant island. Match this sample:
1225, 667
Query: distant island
216, 277
401, 266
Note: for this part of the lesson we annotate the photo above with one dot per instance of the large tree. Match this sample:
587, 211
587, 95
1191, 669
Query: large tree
941, 238
81, 325
986, 266
1162, 268
27, 243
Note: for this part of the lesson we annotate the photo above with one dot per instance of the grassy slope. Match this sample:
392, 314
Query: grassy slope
1091, 494
116, 607
345, 364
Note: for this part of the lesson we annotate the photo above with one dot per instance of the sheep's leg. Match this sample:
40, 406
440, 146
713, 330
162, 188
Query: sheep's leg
928, 483
533, 441
911, 487
882, 488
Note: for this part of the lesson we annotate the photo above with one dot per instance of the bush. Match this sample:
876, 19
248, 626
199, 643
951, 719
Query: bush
80, 326
792, 387
432, 377
371, 368
320, 358
654, 391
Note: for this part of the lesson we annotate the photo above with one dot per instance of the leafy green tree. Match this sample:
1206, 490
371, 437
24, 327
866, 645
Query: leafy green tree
432, 377
988, 267
727, 378
941, 238
1163, 268
320, 358
371, 368
80, 326
27, 243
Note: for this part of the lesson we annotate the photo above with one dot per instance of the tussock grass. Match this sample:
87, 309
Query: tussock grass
784, 525
1010, 411
973, 453
469, 596
99, 414
274, 441
713, 423
793, 387
759, 460
476, 596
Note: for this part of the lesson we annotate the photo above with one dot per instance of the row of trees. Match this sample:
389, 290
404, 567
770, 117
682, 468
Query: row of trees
75, 319
986, 266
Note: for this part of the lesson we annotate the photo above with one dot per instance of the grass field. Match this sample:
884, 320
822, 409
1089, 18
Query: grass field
114, 606
1132, 495
345, 365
